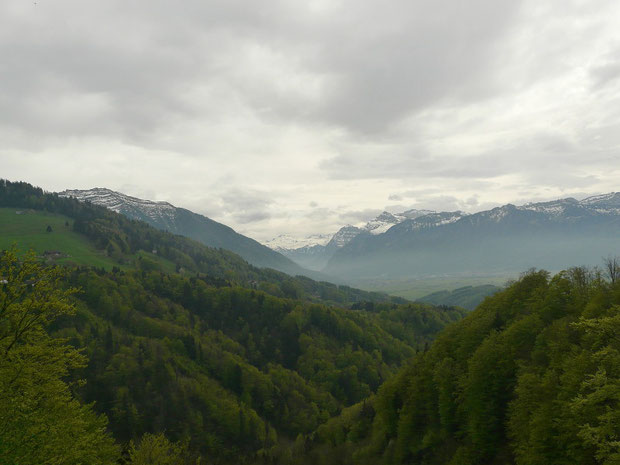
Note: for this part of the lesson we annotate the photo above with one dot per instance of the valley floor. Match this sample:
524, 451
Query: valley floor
416, 287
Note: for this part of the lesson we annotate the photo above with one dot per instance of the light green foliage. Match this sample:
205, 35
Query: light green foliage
40, 421
598, 401
531, 377
156, 449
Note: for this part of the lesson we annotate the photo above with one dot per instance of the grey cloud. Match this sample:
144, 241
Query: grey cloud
606, 70
438, 203
391, 62
410, 193
149, 64
145, 66
319, 213
428, 102
246, 206
356, 216
604, 74
529, 157
472, 201
246, 217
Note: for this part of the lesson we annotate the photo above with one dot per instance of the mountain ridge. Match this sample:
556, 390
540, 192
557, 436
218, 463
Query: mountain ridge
317, 254
554, 234
177, 220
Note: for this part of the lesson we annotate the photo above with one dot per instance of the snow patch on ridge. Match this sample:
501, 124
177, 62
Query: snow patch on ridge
288, 242
120, 203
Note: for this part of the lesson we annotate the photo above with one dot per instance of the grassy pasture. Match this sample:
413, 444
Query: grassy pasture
28, 230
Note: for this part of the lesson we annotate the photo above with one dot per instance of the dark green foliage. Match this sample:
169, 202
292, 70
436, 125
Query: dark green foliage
530, 377
232, 369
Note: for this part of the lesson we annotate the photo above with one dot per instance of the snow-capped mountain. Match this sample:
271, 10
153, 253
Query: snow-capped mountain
606, 203
413, 214
288, 242
344, 236
163, 215
431, 220
378, 225
315, 251
552, 235
383, 222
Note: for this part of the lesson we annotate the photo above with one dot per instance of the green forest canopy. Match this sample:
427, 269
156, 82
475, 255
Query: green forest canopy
531, 377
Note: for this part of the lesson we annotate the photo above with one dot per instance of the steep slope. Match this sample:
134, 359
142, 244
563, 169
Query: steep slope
232, 370
531, 377
228, 357
550, 235
167, 217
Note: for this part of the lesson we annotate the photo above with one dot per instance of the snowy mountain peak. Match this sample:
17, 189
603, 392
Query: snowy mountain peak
383, 222
611, 198
344, 236
386, 216
602, 204
413, 214
605, 204
432, 220
552, 208
113, 200
288, 242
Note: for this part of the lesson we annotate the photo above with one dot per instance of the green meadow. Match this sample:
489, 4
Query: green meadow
28, 229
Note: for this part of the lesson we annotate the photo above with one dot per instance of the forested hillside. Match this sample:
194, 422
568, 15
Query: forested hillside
229, 361
162, 215
232, 369
532, 377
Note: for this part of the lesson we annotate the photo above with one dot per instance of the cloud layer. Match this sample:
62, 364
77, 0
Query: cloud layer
281, 117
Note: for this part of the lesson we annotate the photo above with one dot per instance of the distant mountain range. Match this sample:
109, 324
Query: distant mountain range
416, 243
551, 235
314, 251
167, 217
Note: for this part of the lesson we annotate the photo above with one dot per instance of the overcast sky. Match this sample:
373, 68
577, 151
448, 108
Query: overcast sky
298, 117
